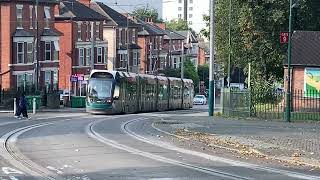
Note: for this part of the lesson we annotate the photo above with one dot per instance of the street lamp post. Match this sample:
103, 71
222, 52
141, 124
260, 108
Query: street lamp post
212, 47
229, 59
288, 99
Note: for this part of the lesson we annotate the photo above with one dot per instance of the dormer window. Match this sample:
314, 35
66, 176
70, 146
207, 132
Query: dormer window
47, 17
19, 16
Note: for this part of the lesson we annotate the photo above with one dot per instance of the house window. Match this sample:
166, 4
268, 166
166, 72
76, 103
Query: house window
88, 31
31, 16
25, 81
174, 63
97, 30
179, 16
135, 58
56, 50
20, 52
133, 36
160, 43
139, 58
190, 8
105, 55
190, 15
88, 56
99, 54
81, 56
47, 79
161, 62
29, 52
19, 16
191, 1
79, 31
48, 51
55, 80
190, 22
180, 1
47, 17
123, 61
120, 40
179, 8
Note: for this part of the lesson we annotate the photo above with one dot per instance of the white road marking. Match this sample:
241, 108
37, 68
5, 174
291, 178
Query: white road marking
216, 158
13, 178
54, 169
9, 170
90, 131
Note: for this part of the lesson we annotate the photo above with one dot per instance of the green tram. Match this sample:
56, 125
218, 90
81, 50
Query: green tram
116, 92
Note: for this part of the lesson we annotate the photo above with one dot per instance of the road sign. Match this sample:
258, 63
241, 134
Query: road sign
80, 78
284, 37
73, 78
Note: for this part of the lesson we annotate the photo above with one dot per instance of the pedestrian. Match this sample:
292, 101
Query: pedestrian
22, 107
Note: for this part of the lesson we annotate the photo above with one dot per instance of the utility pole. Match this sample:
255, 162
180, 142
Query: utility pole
182, 60
92, 45
230, 24
36, 47
288, 100
127, 41
150, 58
212, 50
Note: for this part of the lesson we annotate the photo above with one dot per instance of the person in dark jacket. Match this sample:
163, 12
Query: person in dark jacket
22, 107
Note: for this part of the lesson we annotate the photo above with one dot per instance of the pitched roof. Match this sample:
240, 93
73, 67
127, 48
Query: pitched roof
72, 9
147, 29
115, 17
33, 1
305, 48
22, 33
50, 32
172, 35
192, 36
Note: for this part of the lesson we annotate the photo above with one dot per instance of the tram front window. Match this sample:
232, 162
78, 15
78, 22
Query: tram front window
100, 89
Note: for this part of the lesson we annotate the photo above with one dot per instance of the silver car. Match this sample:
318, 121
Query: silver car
200, 99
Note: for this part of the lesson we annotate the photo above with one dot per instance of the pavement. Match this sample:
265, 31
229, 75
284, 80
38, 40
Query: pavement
293, 143
43, 109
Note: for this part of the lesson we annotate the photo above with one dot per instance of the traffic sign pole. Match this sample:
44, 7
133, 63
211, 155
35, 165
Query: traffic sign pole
212, 43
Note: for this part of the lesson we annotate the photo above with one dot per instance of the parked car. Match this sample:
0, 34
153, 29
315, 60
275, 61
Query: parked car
63, 94
199, 99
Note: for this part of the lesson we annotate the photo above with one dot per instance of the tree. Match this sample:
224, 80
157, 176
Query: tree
190, 72
255, 30
203, 73
177, 25
145, 13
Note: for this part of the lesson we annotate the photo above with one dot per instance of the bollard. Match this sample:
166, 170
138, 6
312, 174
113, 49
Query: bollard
34, 106
14, 106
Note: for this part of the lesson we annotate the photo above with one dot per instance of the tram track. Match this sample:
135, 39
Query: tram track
13, 155
95, 135
292, 174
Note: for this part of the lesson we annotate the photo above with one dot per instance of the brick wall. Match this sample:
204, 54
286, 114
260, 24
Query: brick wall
201, 57
66, 50
142, 41
6, 43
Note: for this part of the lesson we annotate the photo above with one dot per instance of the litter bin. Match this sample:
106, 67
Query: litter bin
30, 102
78, 102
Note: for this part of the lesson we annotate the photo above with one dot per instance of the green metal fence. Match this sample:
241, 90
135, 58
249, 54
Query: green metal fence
271, 104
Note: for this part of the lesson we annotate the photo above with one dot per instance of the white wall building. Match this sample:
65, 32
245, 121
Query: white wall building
190, 10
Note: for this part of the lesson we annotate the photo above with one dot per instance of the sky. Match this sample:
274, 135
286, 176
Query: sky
129, 5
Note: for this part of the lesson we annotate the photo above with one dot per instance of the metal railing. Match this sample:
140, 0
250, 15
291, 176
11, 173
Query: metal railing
305, 105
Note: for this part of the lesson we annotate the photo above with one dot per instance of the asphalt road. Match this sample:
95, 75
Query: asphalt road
89, 147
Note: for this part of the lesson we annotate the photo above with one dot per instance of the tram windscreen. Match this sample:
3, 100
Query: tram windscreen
100, 88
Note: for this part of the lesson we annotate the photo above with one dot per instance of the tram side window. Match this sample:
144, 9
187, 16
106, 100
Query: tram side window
116, 93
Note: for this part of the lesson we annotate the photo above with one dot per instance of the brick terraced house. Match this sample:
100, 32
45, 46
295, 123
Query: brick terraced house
122, 35
83, 47
29, 51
